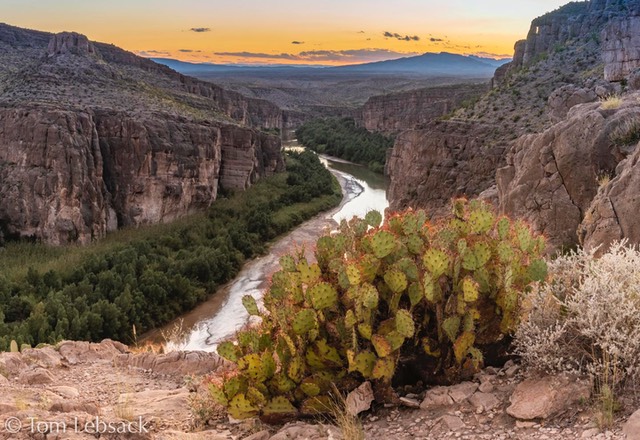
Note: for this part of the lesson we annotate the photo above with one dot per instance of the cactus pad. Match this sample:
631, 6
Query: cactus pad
288, 263
228, 350
503, 227
373, 218
462, 345
218, 395
310, 389
481, 221
381, 345
538, 270
436, 262
482, 253
414, 244
384, 369
305, 321
404, 323
470, 289
279, 405
353, 274
451, 326
369, 296
309, 273
241, 408
365, 331
383, 243
249, 303
323, 296
364, 363
523, 235
396, 280
233, 386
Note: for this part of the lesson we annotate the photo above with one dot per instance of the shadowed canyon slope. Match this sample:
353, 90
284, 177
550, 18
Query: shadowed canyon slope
559, 126
93, 138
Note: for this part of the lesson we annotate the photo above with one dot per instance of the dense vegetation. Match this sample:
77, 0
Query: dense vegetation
148, 276
407, 300
341, 138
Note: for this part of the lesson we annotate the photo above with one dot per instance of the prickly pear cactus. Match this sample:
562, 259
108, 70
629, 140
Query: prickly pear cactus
381, 294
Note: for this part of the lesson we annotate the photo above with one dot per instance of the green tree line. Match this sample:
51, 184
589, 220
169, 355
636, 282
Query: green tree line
151, 275
340, 137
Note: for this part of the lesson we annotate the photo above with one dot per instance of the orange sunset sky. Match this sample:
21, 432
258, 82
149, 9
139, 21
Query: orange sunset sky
329, 32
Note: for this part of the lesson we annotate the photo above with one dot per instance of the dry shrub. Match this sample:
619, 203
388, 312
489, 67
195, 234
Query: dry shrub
611, 102
586, 318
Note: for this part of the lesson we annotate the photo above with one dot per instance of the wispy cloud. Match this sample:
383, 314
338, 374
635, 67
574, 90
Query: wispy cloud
297, 42
200, 29
399, 37
435, 40
189, 51
322, 56
152, 53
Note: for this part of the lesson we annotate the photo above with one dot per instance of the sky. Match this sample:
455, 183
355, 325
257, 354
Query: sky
327, 32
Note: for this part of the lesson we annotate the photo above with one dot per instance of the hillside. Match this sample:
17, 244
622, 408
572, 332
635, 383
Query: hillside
95, 138
583, 52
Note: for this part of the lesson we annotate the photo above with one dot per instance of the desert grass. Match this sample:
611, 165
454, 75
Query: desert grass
611, 102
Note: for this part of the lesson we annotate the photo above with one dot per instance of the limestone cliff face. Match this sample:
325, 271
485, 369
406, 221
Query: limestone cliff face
73, 176
622, 47
93, 138
430, 166
395, 112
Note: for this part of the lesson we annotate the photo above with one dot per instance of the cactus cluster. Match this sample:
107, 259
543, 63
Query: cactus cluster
378, 293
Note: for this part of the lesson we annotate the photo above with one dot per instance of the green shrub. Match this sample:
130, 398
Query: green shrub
376, 295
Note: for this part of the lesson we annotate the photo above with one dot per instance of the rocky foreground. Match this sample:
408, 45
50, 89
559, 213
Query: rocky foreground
79, 390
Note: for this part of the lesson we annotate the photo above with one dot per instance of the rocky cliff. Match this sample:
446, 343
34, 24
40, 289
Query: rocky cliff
395, 112
93, 138
549, 136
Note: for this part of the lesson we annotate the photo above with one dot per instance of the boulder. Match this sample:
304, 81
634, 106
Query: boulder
360, 399
564, 98
436, 397
39, 376
462, 391
484, 401
545, 397
631, 427
179, 363
77, 352
306, 431
155, 404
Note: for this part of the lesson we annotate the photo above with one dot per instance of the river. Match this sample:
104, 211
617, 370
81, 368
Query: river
223, 314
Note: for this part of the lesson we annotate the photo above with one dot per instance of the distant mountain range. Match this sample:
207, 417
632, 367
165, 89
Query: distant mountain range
428, 64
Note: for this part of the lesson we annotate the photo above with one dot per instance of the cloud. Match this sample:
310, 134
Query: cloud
352, 56
399, 37
200, 29
495, 56
297, 42
435, 40
150, 53
360, 32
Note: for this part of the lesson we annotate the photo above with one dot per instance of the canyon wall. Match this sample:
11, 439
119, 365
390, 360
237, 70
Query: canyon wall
93, 138
395, 112
73, 176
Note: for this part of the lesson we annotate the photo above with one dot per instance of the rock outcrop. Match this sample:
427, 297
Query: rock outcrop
622, 47
74, 176
430, 166
396, 112
612, 214
551, 179
93, 138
